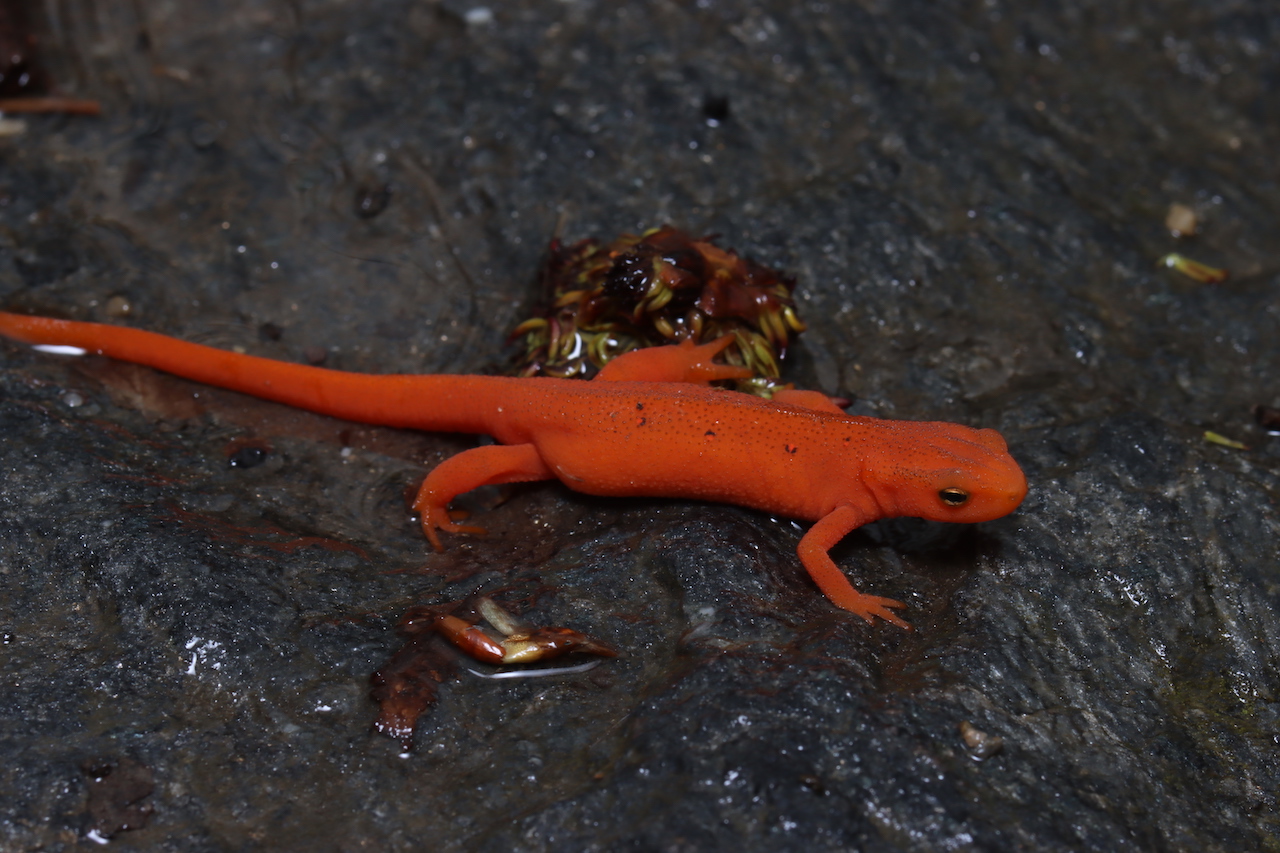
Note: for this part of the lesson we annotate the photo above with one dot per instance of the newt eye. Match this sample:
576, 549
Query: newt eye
953, 496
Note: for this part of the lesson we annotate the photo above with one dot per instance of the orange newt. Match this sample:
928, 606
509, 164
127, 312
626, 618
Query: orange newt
648, 425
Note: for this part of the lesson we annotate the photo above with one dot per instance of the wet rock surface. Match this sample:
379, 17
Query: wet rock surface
973, 198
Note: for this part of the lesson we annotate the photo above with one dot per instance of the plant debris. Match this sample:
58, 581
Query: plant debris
980, 744
1181, 220
1194, 269
660, 287
1222, 441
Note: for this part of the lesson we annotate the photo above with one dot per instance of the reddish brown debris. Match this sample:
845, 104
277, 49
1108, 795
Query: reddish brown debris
405, 687
1267, 418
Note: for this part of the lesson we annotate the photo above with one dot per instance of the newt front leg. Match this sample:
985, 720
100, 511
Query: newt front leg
813, 549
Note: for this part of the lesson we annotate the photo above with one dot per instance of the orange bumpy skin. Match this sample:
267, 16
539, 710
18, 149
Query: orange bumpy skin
647, 425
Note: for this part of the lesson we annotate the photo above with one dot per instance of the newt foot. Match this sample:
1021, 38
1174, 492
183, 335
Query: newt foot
869, 607
435, 519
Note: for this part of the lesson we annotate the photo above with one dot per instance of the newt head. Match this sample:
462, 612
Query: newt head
947, 472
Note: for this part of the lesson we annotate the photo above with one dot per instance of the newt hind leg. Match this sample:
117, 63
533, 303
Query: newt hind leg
481, 466
813, 400
682, 362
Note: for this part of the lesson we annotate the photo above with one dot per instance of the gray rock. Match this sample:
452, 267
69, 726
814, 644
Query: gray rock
972, 197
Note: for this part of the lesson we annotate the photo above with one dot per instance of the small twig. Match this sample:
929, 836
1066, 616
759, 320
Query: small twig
72, 106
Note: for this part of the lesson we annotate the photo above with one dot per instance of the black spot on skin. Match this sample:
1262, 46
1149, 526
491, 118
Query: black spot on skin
790, 448
642, 421
639, 407
710, 432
